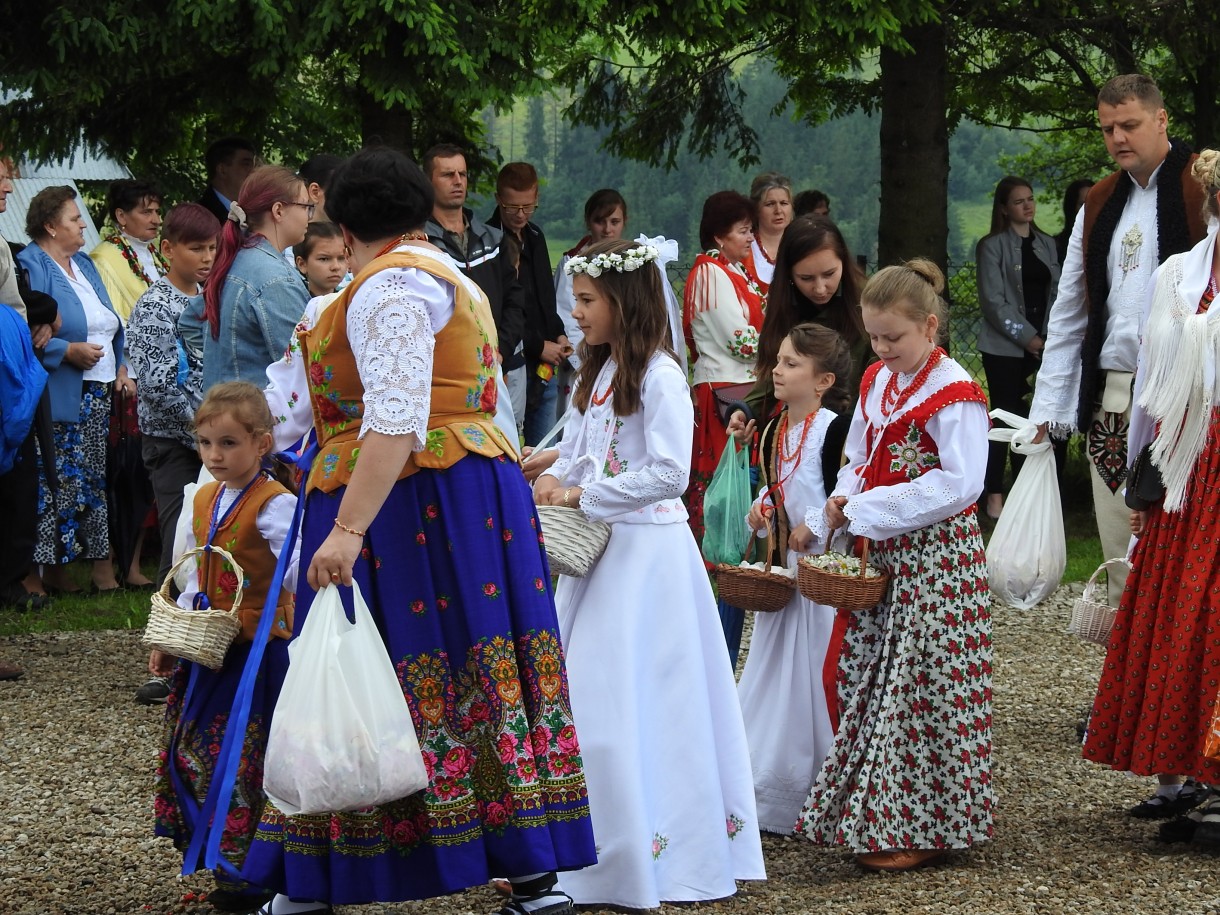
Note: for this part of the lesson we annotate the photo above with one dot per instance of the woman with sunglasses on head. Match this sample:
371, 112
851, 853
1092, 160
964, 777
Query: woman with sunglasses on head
254, 298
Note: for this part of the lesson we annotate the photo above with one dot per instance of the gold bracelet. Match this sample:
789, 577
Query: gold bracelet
567, 492
351, 530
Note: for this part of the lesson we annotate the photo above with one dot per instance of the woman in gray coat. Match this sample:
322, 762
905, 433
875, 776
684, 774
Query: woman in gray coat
1018, 274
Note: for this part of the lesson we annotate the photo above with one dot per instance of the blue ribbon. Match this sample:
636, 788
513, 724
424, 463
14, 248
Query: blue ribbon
209, 825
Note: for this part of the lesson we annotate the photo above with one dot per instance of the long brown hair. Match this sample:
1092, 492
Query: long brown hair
805, 236
999, 203
641, 328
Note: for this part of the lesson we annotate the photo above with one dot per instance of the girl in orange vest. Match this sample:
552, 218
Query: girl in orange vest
248, 513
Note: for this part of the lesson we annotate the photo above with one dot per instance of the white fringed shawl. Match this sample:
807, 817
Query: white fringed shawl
1181, 349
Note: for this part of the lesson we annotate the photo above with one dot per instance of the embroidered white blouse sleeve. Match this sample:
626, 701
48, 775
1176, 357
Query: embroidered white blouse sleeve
1057, 388
719, 308
392, 323
188, 582
567, 442
960, 433
274, 522
287, 390
668, 428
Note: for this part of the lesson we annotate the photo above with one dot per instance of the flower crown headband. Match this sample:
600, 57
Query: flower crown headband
630, 260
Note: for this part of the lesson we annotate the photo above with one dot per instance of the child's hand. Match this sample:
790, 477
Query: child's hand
543, 487
1138, 520
536, 462
834, 512
740, 429
801, 539
756, 519
161, 664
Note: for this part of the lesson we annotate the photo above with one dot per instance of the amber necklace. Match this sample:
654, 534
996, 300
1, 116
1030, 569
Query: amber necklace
892, 400
402, 239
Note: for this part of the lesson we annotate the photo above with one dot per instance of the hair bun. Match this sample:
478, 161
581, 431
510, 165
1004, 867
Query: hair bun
928, 272
1206, 169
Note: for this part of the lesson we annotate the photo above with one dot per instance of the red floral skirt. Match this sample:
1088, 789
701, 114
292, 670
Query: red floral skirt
1158, 687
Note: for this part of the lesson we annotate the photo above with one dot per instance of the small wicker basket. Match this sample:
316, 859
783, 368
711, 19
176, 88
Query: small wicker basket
201, 636
836, 589
1092, 618
756, 590
573, 542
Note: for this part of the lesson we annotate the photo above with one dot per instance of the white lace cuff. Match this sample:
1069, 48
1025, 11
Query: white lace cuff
393, 341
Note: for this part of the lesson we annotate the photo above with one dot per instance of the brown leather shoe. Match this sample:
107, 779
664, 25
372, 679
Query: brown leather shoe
900, 859
10, 672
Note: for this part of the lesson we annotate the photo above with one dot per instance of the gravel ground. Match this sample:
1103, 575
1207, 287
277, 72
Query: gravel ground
76, 760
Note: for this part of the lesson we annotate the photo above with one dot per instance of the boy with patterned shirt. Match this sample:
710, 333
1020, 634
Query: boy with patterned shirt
169, 382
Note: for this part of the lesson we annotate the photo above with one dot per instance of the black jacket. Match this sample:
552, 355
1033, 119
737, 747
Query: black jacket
485, 263
215, 205
542, 321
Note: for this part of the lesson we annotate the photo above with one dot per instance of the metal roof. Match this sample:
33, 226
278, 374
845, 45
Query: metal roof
82, 165
12, 220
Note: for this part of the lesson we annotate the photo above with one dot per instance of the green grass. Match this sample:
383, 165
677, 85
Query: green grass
129, 609
84, 611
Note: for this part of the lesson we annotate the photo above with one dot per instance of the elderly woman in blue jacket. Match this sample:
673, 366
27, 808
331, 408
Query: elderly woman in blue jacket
1018, 274
85, 362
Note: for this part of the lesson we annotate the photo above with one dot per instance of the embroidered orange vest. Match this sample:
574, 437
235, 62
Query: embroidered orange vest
239, 535
463, 398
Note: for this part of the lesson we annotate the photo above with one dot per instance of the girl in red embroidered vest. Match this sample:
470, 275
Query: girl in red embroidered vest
248, 513
665, 751
909, 775
783, 691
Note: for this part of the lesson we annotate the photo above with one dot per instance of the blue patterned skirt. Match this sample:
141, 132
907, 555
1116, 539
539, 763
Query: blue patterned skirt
456, 578
194, 729
73, 521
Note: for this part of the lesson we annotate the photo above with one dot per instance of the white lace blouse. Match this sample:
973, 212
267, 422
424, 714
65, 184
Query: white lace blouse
634, 468
960, 432
392, 323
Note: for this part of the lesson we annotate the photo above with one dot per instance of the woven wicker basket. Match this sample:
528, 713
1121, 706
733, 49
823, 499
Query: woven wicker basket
573, 542
201, 636
835, 589
756, 590
1092, 618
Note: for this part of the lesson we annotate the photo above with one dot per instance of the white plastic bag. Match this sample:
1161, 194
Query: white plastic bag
341, 737
1027, 552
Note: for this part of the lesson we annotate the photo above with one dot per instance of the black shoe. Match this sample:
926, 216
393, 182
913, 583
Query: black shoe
1207, 831
1162, 808
18, 598
243, 903
1179, 829
154, 692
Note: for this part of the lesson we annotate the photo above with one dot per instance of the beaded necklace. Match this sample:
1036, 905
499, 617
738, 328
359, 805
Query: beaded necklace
892, 400
402, 239
798, 453
598, 401
133, 259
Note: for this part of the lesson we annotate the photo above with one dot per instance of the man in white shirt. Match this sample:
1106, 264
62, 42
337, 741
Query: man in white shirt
1131, 221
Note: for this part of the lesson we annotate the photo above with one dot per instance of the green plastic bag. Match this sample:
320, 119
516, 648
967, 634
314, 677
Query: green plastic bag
725, 506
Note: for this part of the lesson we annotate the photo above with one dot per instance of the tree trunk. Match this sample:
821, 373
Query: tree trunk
915, 149
381, 126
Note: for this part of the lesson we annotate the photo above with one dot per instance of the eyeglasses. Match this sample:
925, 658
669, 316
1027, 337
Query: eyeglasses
520, 211
309, 207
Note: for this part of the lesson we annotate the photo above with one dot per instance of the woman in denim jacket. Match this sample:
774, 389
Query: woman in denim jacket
85, 360
254, 297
